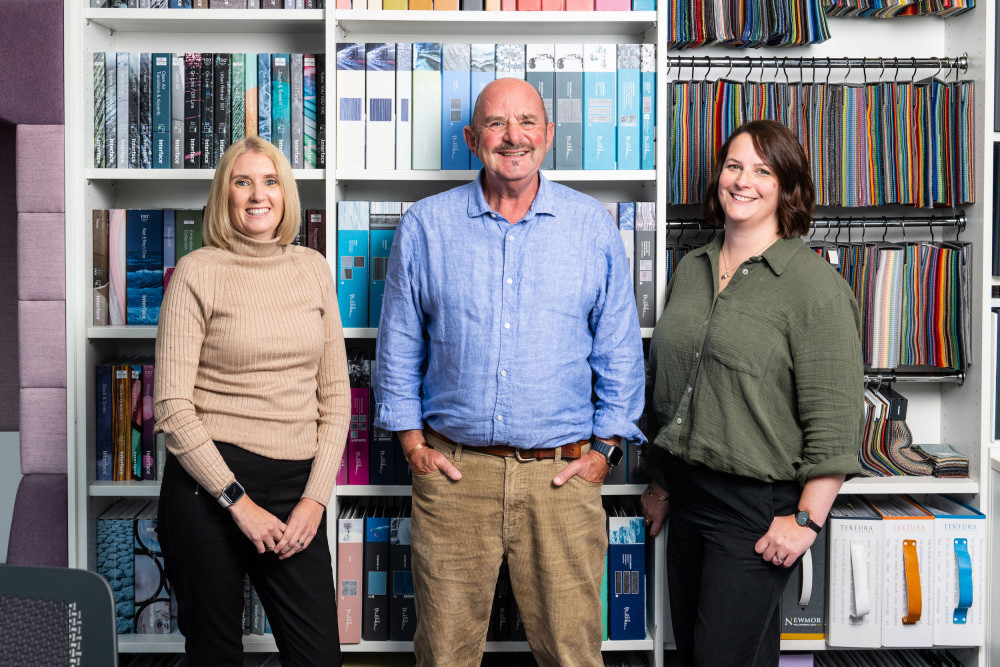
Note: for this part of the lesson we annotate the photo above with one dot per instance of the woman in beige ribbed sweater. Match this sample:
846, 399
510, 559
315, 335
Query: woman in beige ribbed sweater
253, 395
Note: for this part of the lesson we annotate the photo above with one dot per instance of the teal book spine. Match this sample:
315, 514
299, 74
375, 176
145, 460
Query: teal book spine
281, 107
352, 262
455, 109
162, 88
599, 106
628, 134
647, 122
383, 219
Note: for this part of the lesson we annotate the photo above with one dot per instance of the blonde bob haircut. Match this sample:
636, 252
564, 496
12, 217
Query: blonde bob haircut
218, 228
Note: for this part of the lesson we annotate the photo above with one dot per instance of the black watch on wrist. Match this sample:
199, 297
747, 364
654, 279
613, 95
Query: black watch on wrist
802, 518
231, 494
612, 453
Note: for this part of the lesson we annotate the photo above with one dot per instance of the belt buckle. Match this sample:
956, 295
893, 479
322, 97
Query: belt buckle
521, 459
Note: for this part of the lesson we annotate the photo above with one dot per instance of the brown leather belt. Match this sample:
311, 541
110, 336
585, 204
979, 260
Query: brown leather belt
573, 450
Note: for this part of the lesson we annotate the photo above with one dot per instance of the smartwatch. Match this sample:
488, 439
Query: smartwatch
231, 494
802, 518
612, 453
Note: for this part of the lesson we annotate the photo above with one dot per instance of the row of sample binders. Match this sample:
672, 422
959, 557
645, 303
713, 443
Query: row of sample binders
869, 144
887, 447
130, 558
611, 659
373, 456
453, 5
504, 5
759, 23
135, 252
914, 298
375, 595
404, 106
182, 110
208, 4
365, 231
891, 571
906, 572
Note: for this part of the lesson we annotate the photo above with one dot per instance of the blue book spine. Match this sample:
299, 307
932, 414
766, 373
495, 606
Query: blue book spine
264, 96
626, 578
643, 5
629, 136
375, 604
169, 244
455, 109
352, 270
599, 106
483, 65
281, 107
647, 79
143, 265
179, 4
103, 445
161, 110
383, 219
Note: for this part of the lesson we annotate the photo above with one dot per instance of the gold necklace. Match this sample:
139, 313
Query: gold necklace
725, 261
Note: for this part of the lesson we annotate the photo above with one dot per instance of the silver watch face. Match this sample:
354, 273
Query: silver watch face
802, 518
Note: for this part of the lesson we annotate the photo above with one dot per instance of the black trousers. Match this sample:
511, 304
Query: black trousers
724, 598
206, 557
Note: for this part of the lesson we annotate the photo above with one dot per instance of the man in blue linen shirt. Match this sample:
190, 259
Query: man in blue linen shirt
508, 307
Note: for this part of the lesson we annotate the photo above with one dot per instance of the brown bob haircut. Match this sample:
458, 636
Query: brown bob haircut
781, 151
218, 228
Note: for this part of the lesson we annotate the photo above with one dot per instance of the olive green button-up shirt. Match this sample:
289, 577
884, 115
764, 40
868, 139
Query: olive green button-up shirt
764, 379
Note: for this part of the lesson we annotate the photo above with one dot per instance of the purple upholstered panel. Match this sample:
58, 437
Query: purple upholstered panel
38, 525
43, 343
9, 387
32, 75
41, 181
43, 430
41, 249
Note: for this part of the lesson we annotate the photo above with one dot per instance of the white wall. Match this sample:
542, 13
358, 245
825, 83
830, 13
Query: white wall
10, 477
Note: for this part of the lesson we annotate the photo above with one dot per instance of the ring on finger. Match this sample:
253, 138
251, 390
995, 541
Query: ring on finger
778, 559
302, 544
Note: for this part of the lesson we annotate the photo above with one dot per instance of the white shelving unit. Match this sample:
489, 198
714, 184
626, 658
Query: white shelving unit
956, 415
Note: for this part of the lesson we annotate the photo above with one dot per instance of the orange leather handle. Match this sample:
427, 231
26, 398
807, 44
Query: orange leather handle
914, 602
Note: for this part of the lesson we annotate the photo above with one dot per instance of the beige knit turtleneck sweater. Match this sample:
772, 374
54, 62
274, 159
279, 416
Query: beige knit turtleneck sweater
250, 351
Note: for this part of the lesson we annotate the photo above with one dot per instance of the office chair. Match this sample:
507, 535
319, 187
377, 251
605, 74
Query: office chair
56, 616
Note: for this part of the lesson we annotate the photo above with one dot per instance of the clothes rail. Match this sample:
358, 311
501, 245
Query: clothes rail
893, 376
782, 62
959, 221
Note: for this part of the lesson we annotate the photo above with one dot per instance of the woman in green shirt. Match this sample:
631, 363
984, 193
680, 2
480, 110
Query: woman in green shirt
758, 393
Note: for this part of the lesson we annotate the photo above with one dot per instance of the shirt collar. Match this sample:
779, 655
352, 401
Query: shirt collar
777, 256
543, 204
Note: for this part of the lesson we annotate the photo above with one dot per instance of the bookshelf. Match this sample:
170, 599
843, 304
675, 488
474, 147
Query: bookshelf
949, 413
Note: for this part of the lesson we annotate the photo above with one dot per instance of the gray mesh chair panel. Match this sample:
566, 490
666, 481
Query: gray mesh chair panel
56, 616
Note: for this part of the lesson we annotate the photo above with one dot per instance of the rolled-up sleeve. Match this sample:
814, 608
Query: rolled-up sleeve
829, 379
400, 348
616, 358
